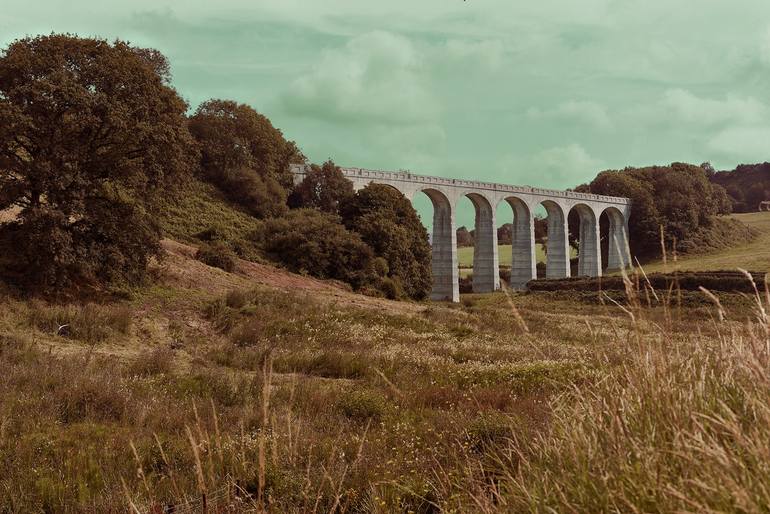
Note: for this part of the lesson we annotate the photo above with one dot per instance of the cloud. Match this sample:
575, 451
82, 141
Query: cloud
559, 167
764, 48
488, 53
582, 111
374, 77
745, 144
689, 108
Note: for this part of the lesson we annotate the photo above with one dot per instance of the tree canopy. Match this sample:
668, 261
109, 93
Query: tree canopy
388, 223
245, 155
746, 186
678, 197
90, 132
324, 188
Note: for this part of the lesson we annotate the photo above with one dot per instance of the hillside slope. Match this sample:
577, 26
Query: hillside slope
753, 256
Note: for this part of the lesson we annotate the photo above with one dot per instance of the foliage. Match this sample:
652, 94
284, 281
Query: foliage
217, 254
679, 197
314, 242
388, 223
90, 133
464, 237
244, 155
747, 185
324, 188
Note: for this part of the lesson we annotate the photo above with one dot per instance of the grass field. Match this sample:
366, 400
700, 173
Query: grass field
465, 255
754, 256
264, 391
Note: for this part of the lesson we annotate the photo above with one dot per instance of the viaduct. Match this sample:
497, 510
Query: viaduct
444, 194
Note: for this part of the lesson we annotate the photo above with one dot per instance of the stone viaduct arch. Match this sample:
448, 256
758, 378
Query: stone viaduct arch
444, 194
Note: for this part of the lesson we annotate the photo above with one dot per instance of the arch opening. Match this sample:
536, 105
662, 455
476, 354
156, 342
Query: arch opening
486, 277
523, 267
443, 248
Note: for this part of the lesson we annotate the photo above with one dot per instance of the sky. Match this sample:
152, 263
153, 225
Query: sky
544, 93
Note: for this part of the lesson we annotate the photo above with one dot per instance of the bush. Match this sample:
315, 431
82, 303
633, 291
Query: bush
388, 223
488, 430
687, 281
218, 255
326, 364
362, 405
153, 362
316, 243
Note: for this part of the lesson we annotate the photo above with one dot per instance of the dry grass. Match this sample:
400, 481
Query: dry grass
256, 399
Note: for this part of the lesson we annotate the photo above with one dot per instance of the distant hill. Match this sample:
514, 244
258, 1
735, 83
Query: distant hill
747, 185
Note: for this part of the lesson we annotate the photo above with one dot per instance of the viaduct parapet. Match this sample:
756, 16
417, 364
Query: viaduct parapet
523, 200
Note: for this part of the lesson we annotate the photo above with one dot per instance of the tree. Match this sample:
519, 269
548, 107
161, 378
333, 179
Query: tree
323, 188
678, 197
747, 185
721, 200
90, 134
244, 155
314, 242
505, 234
464, 237
388, 223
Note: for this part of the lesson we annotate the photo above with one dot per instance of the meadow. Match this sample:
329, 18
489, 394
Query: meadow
263, 391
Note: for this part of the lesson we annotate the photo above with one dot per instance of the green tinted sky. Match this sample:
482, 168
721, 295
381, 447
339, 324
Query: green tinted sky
544, 93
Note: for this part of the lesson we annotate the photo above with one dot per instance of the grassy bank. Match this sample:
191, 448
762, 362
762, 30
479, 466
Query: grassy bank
301, 397
752, 256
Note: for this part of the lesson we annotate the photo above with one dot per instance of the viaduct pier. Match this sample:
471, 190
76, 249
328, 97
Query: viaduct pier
444, 194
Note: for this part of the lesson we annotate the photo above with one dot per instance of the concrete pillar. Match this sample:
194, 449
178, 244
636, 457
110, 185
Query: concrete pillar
523, 259
557, 258
619, 253
446, 286
486, 274
589, 251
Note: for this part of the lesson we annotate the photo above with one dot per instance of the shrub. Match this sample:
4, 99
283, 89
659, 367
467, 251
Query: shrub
489, 429
362, 405
236, 299
327, 364
387, 222
309, 241
688, 281
218, 255
391, 288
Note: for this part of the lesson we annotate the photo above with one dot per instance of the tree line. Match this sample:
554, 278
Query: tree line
95, 142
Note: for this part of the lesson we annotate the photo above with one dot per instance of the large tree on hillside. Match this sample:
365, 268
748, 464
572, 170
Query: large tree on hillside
388, 223
324, 188
245, 155
678, 197
90, 131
